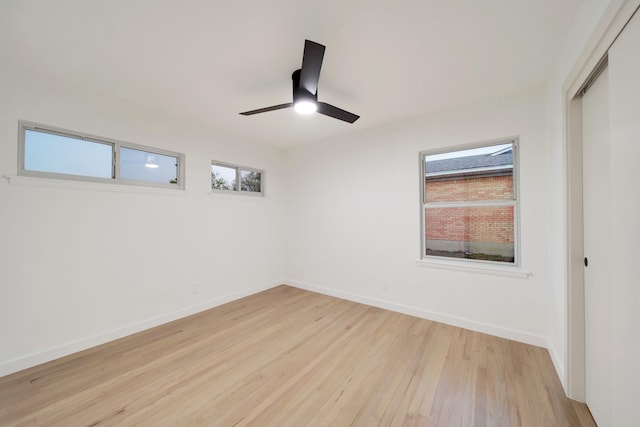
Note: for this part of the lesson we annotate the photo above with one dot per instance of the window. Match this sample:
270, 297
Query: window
54, 153
226, 177
469, 199
140, 165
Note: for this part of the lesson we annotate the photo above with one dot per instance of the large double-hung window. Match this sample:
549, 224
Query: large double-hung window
469, 199
49, 152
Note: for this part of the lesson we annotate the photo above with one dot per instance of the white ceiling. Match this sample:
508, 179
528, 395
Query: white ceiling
208, 60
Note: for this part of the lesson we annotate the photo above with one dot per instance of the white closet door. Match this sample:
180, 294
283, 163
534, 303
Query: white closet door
624, 113
597, 249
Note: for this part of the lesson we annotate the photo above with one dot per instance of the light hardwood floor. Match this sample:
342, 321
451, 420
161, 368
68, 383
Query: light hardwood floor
288, 357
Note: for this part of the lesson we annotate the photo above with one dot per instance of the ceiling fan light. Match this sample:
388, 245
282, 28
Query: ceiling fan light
305, 107
151, 162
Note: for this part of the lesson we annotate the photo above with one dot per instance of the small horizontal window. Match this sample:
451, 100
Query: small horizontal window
226, 177
54, 153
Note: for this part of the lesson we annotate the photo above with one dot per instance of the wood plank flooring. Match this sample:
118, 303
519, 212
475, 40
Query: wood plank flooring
289, 357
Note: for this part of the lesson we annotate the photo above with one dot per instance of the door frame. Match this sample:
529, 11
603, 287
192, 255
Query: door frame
585, 70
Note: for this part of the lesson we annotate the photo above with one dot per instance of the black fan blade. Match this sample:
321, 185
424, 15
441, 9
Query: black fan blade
336, 113
311, 64
266, 109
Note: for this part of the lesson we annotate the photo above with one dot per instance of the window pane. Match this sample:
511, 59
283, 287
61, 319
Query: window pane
45, 152
250, 181
139, 165
483, 232
223, 178
479, 174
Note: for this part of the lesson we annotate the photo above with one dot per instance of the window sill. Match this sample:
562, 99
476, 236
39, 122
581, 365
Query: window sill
514, 272
30, 181
245, 195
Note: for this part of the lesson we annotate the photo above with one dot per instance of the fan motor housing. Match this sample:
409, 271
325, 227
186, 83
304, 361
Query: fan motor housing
300, 93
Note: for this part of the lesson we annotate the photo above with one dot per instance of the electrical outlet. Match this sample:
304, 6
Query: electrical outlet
385, 285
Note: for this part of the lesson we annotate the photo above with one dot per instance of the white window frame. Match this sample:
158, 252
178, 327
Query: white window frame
515, 203
115, 150
238, 189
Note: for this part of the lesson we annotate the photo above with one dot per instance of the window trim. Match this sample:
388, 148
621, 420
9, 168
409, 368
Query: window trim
465, 262
238, 189
115, 145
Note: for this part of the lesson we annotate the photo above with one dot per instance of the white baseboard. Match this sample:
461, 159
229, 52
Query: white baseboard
558, 363
460, 322
53, 353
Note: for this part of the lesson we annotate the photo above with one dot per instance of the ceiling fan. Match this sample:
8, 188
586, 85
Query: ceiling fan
305, 88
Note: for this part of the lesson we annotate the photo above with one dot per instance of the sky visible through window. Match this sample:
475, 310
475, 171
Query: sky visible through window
45, 152
469, 152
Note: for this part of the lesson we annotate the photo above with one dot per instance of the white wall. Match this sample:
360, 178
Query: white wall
582, 28
589, 37
353, 212
82, 266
